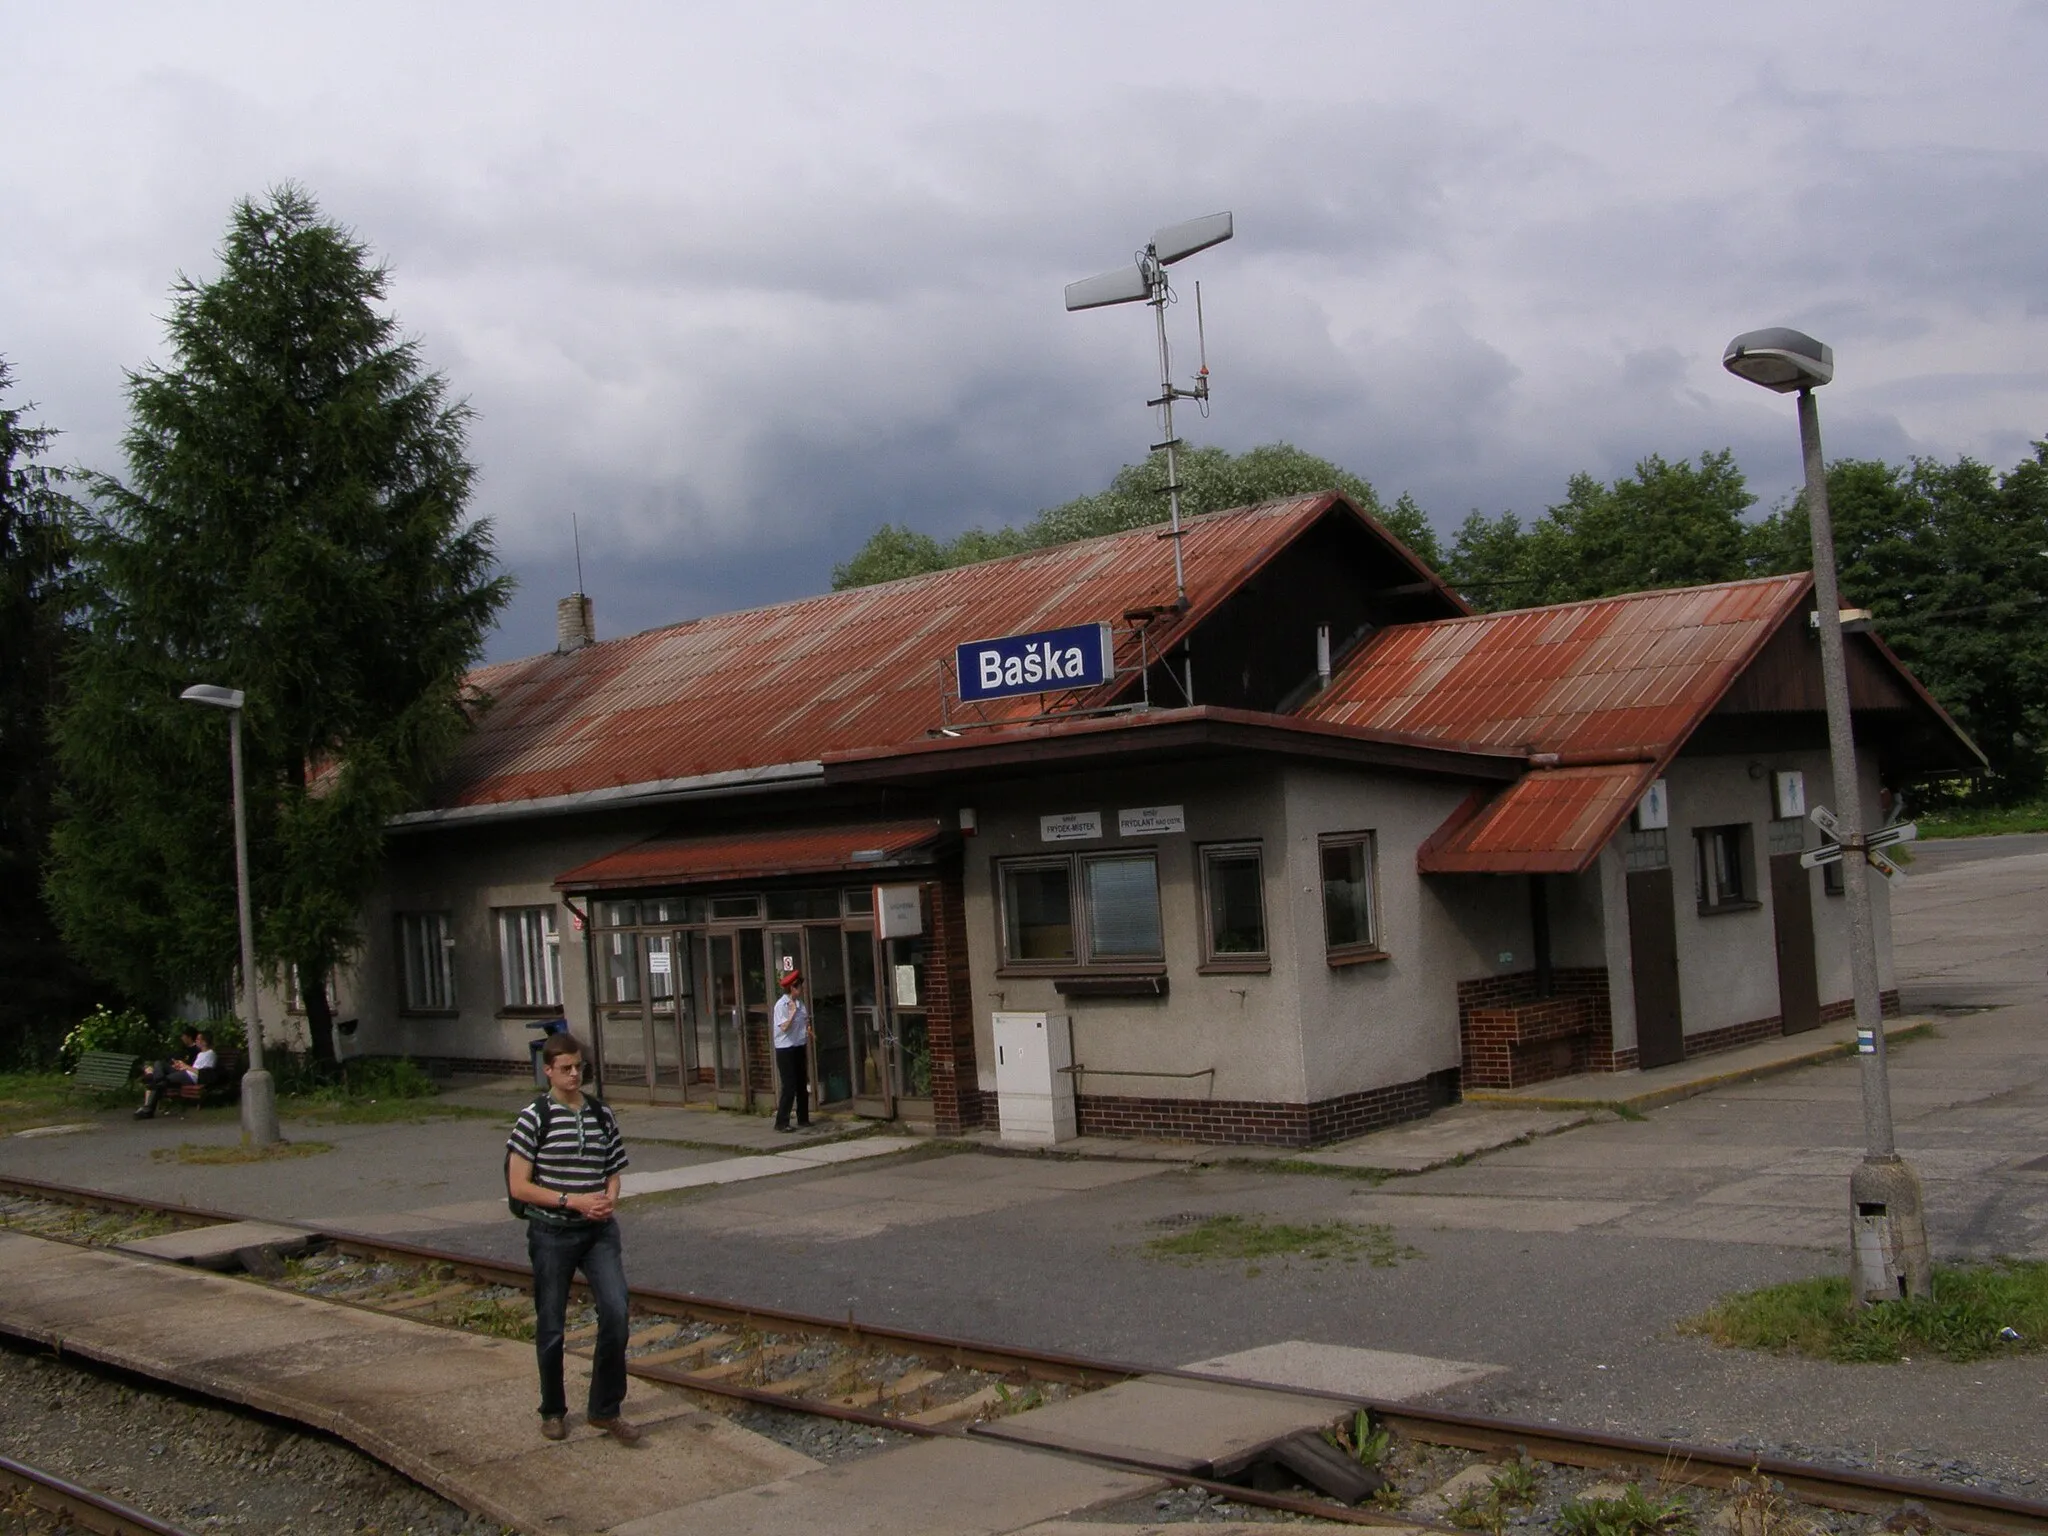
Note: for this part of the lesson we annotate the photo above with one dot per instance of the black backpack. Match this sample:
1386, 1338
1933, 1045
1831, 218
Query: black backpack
544, 1107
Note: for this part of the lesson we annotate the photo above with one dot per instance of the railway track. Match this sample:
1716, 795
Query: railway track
72, 1508
903, 1382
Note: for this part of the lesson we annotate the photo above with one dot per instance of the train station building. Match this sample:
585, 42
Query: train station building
1321, 849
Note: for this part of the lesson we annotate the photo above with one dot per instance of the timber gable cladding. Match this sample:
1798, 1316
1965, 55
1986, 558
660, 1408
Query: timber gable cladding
1474, 774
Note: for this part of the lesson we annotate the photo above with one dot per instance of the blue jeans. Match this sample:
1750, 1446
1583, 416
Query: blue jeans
557, 1252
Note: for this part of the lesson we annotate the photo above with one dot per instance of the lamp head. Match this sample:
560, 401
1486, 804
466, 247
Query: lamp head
213, 696
1780, 358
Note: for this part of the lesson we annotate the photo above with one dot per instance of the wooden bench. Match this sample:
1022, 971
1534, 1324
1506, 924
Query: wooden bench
226, 1084
105, 1071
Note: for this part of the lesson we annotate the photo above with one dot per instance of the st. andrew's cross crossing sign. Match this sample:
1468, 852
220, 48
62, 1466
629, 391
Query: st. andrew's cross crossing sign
1883, 837
1048, 661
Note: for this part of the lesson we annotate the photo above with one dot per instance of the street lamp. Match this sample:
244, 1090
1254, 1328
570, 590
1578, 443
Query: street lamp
1887, 1225
259, 1094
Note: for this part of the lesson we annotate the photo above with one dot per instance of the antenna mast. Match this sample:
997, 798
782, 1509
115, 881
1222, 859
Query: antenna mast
1146, 280
577, 534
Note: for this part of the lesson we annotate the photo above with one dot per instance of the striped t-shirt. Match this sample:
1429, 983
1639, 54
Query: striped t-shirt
583, 1148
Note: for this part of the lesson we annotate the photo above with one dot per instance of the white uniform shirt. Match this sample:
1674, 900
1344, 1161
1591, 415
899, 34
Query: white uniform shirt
792, 1022
204, 1061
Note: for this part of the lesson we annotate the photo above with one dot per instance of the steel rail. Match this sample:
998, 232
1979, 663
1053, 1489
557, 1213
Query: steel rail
81, 1507
1857, 1490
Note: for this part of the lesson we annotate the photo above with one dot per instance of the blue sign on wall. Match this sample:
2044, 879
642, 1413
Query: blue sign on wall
1045, 662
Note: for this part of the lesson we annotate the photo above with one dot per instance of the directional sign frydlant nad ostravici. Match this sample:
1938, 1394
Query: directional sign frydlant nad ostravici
1048, 661
1883, 837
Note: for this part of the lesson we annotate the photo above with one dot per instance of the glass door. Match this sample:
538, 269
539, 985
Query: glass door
831, 1051
668, 1067
730, 967
873, 1071
621, 1015
913, 1065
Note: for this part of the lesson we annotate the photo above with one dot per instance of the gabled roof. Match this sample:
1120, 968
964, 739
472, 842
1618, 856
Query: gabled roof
1616, 676
1601, 694
762, 695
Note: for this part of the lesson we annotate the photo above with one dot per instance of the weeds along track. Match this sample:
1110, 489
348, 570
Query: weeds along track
901, 1383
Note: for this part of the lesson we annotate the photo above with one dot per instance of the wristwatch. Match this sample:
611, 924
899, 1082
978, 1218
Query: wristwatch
563, 1203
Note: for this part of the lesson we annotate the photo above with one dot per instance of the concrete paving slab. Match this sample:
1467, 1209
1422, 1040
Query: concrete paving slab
933, 1488
1465, 1130
452, 1411
1770, 1226
1184, 1425
1379, 1373
1176, 1528
684, 1460
216, 1246
1479, 1213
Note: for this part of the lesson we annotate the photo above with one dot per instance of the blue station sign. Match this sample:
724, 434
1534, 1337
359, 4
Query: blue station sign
1045, 662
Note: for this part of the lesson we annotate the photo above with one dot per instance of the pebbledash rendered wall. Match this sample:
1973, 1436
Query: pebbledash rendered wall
1300, 1052
468, 872
1727, 962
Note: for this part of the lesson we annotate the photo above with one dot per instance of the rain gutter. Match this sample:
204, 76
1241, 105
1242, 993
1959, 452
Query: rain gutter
702, 786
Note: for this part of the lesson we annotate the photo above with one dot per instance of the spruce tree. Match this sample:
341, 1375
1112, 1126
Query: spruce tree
42, 991
292, 524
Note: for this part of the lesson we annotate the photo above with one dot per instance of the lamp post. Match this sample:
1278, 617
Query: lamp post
1887, 1226
259, 1094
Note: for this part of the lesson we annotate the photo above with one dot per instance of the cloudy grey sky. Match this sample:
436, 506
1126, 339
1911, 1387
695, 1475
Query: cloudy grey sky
737, 283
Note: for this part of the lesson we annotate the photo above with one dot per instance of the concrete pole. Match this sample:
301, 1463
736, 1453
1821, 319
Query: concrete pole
259, 1092
1887, 1226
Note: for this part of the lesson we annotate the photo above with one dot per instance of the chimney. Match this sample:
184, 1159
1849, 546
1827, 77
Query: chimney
575, 625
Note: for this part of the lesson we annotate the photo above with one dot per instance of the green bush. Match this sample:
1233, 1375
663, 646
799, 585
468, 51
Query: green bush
129, 1032
225, 1031
387, 1077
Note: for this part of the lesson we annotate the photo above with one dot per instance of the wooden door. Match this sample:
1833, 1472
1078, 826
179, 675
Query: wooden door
1792, 919
1653, 948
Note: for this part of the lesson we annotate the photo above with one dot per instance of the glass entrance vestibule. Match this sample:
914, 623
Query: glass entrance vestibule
683, 986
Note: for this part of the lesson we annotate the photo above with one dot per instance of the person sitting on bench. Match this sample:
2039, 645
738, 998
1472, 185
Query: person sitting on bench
201, 1067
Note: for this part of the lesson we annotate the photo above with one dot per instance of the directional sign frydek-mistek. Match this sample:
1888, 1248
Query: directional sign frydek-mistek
1883, 837
1049, 661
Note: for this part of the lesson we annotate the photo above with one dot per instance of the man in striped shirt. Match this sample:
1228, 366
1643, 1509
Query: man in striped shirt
568, 1178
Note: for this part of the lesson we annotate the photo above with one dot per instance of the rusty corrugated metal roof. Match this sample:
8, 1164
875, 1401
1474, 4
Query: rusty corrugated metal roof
755, 855
1552, 821
1616, 676
837, 673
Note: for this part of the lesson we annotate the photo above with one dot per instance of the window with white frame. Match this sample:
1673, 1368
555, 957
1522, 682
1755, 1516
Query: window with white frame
1234, 905
1086, 909
426, 958
1349, 917
530, 957
1721, 868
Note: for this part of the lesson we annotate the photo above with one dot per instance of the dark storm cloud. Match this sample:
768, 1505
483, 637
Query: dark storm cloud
734, 288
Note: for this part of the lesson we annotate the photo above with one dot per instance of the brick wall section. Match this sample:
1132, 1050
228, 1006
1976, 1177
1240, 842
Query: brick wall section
1735, 1036
1509, 1036
759, 1045
949, 1011
1252, 1122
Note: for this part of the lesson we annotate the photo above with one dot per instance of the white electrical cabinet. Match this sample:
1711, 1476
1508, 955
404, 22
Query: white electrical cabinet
1034, 1096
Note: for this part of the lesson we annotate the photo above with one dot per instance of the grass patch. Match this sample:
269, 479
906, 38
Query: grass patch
1973, 1309
1635, 1513
1990, 821
279, 1151
1242, 1239
30, 1099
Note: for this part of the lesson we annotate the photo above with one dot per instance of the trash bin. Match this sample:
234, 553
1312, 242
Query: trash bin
539, 1042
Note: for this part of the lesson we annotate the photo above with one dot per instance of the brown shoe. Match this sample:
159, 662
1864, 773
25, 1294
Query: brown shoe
554, 1427
620, 1430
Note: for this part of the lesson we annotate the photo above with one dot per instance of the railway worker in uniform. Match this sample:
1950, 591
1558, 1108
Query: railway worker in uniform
792, 1053
563, 1161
